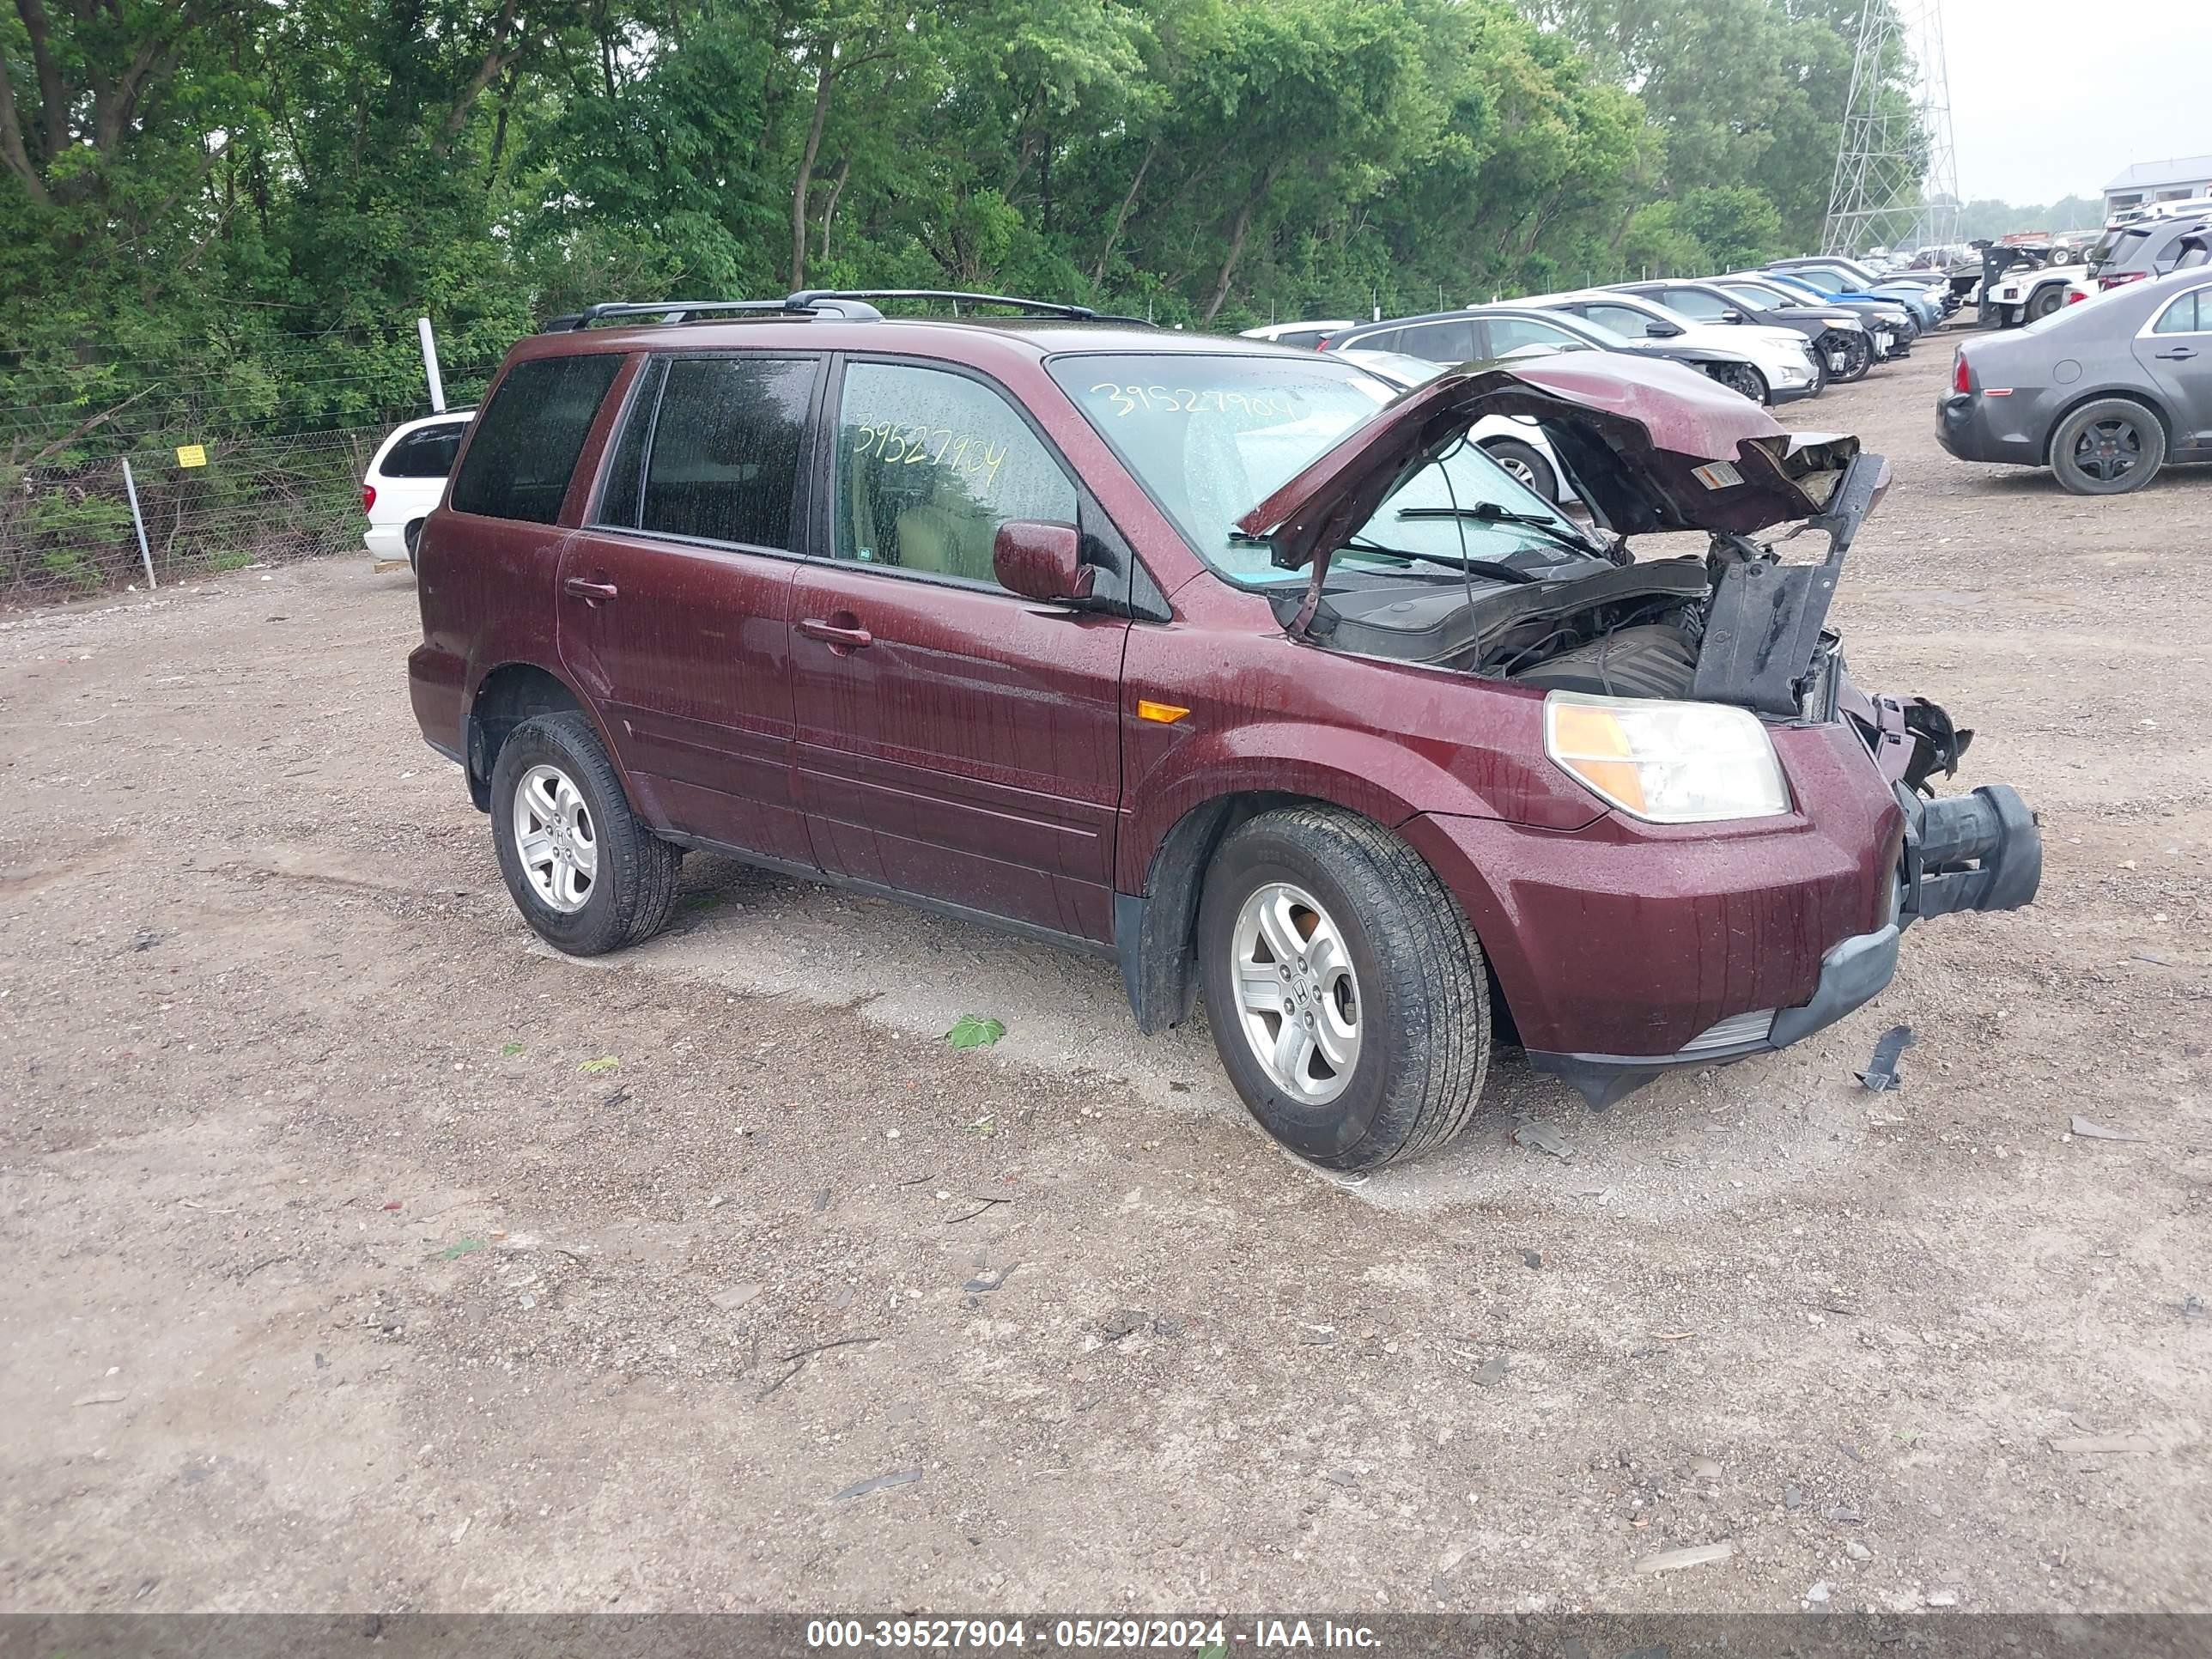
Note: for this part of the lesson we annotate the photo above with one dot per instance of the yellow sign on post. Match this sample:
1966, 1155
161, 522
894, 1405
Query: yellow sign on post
191, 454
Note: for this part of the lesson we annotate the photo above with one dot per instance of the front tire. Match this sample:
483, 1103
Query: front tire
2108, 447
1345, 987
1742, 378
1858, 359
411, 536
1527, 465
586, 875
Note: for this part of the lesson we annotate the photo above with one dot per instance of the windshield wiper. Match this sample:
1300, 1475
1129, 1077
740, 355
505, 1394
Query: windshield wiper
1491, 512
1493, 567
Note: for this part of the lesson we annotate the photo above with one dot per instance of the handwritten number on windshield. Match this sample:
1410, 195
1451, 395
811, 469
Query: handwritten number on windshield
1127, 400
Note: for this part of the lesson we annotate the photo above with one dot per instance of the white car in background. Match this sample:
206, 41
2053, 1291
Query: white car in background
1514, 441
1783, 356
1305, 336
406, 478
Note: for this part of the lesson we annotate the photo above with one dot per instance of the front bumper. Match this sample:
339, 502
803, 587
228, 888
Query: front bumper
1977, 852
1791, 391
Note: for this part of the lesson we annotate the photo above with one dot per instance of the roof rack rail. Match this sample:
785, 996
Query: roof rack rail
846, 304
683, 311
958, 297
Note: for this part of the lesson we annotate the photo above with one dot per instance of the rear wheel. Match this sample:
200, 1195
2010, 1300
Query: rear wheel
1526, 463
411, 535
585, 873
2046, 301
2107, 447
1346, 990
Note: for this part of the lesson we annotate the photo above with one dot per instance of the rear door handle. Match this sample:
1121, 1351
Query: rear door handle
2182, 353
577, 587
852, 639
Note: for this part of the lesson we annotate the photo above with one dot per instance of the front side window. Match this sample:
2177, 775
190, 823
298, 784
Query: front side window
929, 465
1757, 297
1696, 302
2186, 315
1210, 438
1509, 334
722, 460
1621, 320
528, 440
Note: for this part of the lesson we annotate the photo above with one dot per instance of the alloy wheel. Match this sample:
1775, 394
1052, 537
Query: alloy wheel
1298, 996
2108, 450
554, 839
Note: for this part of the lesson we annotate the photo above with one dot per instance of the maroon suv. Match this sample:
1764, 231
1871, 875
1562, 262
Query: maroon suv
1229, 660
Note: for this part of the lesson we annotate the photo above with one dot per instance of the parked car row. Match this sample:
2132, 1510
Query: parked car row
1774, 335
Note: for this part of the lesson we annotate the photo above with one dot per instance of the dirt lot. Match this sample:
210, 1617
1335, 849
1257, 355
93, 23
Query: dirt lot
369, 1254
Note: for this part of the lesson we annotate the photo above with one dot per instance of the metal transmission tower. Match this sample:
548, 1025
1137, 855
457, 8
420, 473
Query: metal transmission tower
1896, 168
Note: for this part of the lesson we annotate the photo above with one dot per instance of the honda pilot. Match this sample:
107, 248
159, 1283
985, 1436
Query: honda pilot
1229, 661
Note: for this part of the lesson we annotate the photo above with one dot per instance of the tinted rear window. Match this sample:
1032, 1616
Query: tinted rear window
724, 461
425, 455
528, 440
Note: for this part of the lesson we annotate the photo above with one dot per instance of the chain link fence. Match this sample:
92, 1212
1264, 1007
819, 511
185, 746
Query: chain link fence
219, 487
67, 531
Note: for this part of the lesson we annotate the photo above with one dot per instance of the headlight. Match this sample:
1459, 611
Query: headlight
1667, 763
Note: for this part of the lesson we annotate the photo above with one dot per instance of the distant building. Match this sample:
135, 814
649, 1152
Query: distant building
2169, 180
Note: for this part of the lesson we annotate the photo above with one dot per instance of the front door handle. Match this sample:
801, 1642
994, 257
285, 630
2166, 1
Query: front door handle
577, 587
2182, 354
844, 635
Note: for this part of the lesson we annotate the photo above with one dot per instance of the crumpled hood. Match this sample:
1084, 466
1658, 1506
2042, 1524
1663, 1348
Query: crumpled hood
1651, 446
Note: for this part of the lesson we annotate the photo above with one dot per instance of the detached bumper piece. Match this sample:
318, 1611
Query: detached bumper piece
1977, 852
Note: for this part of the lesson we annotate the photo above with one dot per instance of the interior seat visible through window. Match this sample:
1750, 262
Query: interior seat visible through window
929, 465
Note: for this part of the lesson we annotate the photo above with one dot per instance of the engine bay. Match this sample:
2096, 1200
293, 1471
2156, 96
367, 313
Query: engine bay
1622, 630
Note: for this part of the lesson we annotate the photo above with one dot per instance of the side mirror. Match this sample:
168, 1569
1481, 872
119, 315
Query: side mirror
1731, 315
1661, 330
1038, 560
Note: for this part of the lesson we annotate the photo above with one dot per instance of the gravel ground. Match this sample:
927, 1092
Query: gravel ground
369, 1254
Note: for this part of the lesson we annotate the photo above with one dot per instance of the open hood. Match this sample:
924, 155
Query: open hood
1651, 446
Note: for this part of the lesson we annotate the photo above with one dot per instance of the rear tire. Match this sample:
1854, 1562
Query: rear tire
1374, 964
2046, 302
586, 875
411, 535
2108, 447
1526, 463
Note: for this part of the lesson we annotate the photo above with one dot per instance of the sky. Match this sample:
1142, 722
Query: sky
2050, 99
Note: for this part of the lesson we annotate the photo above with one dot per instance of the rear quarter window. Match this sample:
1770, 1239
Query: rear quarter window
428, 453
528, 440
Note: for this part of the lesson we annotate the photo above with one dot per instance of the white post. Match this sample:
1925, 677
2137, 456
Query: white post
430, 365
145, 557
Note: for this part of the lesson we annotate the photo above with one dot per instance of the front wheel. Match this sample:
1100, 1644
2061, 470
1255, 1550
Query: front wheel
1858, 353
1527, 465
1345, 987
2107, 447
585, 873
1742, 378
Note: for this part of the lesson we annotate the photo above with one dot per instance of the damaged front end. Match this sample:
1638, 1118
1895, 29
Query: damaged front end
1650, 449
1653, 449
